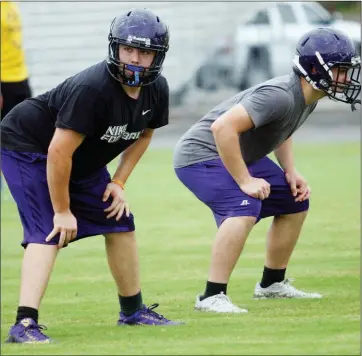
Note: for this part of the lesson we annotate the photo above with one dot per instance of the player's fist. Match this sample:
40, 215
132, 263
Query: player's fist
256, 187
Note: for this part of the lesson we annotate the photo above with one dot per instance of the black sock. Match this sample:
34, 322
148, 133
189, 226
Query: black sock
131, 304
213, 289
271, 276
26, 312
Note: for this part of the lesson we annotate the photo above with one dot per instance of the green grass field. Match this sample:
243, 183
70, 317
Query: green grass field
175, 232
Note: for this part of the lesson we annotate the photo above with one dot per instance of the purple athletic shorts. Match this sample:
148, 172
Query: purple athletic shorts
25, 174
213, 185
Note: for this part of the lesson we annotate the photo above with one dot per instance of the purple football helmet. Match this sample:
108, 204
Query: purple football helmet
322, 49
139, 28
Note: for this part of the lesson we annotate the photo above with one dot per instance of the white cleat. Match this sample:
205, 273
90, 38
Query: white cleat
282, 289
219, 303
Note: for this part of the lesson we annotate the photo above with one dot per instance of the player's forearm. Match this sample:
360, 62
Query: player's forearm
58, 174
130, 158
284, 155
227, 143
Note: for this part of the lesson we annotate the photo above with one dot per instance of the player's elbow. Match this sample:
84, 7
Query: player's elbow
216, 127
221, 128
55, 152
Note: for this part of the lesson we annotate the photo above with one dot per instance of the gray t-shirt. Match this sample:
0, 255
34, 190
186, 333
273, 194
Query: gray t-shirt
277, 108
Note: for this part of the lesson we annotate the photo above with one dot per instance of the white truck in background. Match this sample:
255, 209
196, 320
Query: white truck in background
264, 45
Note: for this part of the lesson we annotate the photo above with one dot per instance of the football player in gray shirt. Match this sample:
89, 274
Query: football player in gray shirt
222, 159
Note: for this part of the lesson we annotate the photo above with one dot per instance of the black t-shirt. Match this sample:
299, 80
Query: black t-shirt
94, 104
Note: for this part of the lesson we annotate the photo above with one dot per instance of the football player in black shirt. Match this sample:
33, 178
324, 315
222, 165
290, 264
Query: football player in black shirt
55, 148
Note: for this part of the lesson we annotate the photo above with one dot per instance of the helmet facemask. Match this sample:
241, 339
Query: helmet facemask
320, 76
348, 90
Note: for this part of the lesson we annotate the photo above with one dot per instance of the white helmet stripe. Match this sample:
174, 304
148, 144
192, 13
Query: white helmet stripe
325, 66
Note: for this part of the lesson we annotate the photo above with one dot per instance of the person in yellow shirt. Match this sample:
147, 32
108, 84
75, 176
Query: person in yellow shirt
14, 73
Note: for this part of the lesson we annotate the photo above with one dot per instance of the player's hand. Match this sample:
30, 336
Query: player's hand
256, 187
298, 185
119, 204
65, 223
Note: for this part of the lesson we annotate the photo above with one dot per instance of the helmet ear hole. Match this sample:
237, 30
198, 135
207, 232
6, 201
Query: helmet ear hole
323, 83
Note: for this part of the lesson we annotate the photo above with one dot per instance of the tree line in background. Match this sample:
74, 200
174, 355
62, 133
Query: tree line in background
341, 6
